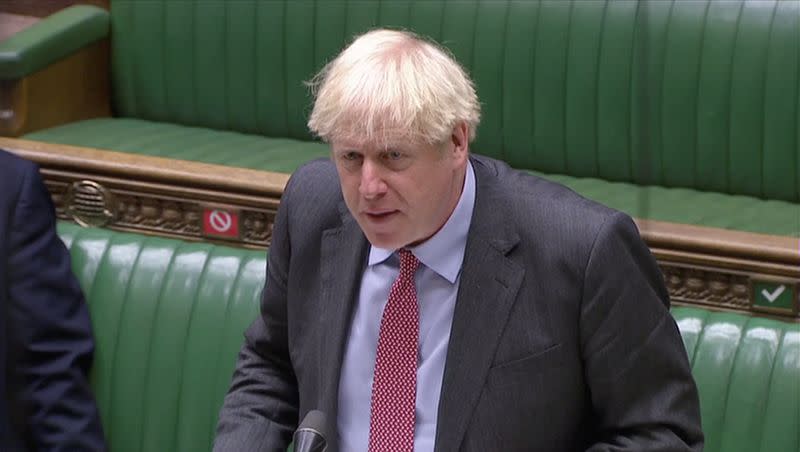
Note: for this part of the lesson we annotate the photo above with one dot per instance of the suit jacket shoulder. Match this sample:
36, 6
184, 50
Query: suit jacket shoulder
570, 304
13, 174
545, 216
313, 195
41, 308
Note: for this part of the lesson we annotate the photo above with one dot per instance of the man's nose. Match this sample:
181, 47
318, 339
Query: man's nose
372, 183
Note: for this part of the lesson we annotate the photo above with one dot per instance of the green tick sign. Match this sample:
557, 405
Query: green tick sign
773, 295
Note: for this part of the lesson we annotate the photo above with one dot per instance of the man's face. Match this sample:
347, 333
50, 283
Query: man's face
404, 193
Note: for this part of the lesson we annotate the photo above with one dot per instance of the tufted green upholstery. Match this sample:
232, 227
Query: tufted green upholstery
686, 205
748, 373
699, 95
168, 318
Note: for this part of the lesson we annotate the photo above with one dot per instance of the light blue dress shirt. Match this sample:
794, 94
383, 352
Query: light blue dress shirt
436, 280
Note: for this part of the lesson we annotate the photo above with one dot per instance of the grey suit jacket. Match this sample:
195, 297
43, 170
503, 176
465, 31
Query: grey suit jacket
561, 337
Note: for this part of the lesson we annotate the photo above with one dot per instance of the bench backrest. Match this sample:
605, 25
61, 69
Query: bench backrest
698, 94
168, 317
748, 372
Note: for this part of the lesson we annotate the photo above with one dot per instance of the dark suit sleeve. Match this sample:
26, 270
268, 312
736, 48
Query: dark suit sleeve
260, 409
636, 366
51, 337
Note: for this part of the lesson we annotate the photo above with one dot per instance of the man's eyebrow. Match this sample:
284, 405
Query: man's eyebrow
394, 147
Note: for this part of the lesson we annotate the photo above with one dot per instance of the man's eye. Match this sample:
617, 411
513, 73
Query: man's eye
394, 155
350, 156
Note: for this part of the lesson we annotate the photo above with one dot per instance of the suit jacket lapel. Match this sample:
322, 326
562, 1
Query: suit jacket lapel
488, 287
342, 260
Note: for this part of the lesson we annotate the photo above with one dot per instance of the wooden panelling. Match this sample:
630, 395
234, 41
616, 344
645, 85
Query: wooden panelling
723, 242
714, 268
155, 195
74, 88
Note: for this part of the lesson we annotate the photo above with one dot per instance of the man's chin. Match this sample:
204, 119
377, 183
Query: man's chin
384, 243
385, 240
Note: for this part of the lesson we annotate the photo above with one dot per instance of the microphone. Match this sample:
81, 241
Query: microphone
310, 436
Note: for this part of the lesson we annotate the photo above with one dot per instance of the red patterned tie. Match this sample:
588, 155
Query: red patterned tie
394, 389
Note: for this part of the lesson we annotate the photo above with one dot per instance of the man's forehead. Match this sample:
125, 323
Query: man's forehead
342, 144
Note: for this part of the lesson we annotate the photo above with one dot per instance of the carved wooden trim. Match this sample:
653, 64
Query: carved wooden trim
167, 211
725, 289
709, 267
708, 287
158, 196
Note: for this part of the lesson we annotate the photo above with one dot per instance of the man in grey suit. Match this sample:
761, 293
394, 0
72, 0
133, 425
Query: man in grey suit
425, 299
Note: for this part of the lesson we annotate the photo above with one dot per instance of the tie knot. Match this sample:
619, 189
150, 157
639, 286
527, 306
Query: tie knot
408, 262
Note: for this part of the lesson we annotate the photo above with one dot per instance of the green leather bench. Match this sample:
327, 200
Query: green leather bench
682, 112
168, 319
169, 315
748, 373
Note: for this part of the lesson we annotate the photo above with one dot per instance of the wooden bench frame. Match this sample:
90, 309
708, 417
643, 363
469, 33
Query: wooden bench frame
70, 89
711, 267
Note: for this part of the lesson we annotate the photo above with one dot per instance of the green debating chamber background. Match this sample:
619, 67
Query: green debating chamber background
166, 131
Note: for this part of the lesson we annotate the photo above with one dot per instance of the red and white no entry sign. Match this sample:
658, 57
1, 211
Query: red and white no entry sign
220, 223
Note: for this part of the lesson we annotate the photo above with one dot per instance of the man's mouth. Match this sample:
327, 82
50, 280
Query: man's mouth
380, 215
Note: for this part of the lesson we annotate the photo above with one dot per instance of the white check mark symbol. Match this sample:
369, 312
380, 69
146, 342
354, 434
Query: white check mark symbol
771, 297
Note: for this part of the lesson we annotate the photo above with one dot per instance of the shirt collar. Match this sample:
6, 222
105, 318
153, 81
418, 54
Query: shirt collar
444, 252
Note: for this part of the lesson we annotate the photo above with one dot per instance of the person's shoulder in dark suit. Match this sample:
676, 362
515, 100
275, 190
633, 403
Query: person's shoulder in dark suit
618, 307
544, 212
46, 342
314, 190
531, 199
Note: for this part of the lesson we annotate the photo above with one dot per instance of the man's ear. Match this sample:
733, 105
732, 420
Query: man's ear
460, 140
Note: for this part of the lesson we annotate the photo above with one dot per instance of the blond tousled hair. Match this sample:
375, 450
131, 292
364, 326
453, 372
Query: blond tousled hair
392, 85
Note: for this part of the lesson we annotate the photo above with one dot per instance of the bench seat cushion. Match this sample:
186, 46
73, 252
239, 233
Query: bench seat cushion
161, 139
679, 205
689, 206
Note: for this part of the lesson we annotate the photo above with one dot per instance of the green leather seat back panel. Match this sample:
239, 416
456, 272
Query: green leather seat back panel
681, 205
699, 94
168, 318
748, 373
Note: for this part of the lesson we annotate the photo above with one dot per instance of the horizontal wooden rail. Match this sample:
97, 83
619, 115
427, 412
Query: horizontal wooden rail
722, 242
148, 169
716, 268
